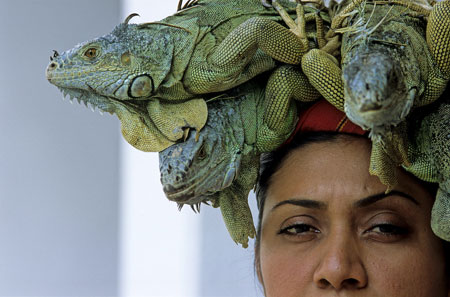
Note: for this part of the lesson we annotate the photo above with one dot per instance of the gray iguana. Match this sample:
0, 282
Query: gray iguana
222, 165
154, 75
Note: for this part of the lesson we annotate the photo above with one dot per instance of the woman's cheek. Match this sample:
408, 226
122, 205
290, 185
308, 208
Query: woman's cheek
403, 272
285, 273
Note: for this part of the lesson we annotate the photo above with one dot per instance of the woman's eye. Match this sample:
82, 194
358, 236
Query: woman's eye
389, 230
298, 229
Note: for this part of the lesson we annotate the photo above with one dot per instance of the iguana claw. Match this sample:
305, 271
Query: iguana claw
265, 3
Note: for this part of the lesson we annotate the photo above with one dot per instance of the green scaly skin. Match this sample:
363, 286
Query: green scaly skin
222, 165
429, 153
393, 61
153, 76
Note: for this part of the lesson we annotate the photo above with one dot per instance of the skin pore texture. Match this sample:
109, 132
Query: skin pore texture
329, 229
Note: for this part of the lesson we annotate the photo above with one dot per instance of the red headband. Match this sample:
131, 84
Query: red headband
322, 116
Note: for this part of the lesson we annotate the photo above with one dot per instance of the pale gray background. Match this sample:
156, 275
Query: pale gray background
60, 170
58, 162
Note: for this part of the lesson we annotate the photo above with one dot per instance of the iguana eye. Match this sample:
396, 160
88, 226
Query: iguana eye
202, 153
91, 53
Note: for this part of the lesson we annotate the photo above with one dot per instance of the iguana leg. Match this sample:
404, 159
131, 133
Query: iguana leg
440, 214
438, 36
438, 41
389, 151
324, 74
416, 7
249, 49
285, 82
382, 166
172, 119
237, 215
272, 38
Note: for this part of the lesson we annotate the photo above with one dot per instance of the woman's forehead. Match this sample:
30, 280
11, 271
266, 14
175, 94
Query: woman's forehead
328, 171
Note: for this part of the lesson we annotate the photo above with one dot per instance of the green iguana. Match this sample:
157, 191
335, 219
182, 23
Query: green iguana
154, 75
392, 61
222, 166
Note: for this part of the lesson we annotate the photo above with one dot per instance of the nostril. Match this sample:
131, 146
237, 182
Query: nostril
52, 65
370, 106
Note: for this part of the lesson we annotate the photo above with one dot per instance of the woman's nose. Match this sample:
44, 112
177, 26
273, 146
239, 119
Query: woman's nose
341, 266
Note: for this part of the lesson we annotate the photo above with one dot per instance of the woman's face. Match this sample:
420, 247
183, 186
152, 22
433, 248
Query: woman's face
329, 229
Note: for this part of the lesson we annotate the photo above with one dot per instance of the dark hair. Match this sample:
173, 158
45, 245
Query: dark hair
271, 163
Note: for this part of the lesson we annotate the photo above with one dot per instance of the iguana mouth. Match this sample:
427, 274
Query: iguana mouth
93, 100
90, 100
185, 194
384, 117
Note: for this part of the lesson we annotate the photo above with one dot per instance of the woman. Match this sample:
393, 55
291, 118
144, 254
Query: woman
327, 227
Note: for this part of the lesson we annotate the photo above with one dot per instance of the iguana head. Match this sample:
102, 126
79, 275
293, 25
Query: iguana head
382, 66
376, 91
118, 73
206, 163
127, 64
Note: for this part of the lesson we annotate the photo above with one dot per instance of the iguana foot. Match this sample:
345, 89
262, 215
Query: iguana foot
285, 83
237, 216
299, 28
339, 18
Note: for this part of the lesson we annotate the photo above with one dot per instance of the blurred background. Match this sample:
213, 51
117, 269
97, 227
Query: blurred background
82, 213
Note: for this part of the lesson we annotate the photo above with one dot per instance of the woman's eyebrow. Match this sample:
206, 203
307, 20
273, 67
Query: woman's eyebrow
377, 197
308, 203
364, 202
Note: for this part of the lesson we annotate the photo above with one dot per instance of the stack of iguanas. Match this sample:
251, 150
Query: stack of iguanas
238, 71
